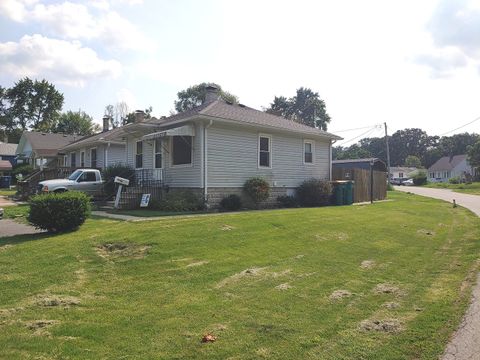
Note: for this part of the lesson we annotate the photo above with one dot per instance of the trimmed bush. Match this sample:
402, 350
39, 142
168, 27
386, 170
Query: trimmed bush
231, 203
59, 212
109, 174
257, 189
181, 201
454, 180
314, 192
420, 178
287, 201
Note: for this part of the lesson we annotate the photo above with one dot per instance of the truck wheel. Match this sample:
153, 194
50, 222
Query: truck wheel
59, 191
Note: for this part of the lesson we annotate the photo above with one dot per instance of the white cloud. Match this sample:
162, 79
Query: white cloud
70, 20
126, 96
57, 60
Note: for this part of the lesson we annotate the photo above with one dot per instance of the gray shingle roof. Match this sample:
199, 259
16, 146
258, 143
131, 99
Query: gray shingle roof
243, 114
447, 163
49, 141
8, 149
92, 139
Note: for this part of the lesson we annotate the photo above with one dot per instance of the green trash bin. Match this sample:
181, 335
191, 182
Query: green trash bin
338, 192
348, 193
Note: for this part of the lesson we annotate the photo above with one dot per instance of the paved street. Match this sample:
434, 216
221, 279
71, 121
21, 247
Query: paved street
465, 343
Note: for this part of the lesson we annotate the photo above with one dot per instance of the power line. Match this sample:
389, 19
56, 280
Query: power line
471, 122
362, 134
360, 128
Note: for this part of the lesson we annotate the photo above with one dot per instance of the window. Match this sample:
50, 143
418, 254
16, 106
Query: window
181, 150
88, 176
93, 157
139, 155
432, 175
82, 159
264, 151
308, 152
157, 149
400, 175
73, 160
65, 160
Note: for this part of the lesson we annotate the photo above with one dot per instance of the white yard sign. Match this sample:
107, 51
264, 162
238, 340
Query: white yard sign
145, 200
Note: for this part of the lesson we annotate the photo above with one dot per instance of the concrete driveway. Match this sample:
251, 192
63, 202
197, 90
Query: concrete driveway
465, 343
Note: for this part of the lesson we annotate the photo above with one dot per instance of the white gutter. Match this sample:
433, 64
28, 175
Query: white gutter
205, 159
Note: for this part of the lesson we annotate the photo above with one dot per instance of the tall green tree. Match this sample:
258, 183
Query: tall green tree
195, 96
354, 151
78, 123
473, 155
305, 107
34, 104
457, 144
409, 142
413, 161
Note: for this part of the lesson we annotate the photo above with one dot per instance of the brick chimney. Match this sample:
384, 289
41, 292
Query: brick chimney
106, 123
212, 93
139, 116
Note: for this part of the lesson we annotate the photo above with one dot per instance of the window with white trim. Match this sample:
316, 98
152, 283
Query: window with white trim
265, 151
73, 160
93, 157
157, 149
139, 155
308, 148
82, 159
182, 148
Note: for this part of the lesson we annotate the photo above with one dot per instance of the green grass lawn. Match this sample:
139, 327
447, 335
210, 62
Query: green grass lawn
18, 212
152, 213
260, 281
473, 188
7, 192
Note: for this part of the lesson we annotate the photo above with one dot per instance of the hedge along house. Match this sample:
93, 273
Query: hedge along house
214, 148
97, 151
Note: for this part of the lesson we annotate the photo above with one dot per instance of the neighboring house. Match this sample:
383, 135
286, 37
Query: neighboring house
378, 165
95, 151
7, 152
42, 149
450, 167
402, 172
214, 148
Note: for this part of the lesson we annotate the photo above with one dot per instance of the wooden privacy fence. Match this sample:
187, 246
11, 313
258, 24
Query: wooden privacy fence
361, 186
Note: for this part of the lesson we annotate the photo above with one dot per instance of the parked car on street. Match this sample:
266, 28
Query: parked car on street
408, 182
88, 181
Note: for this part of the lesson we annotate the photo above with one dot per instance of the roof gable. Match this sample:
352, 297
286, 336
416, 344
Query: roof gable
447, 163
8, 149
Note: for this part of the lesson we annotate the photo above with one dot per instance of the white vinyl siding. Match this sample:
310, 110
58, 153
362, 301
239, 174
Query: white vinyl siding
233, 158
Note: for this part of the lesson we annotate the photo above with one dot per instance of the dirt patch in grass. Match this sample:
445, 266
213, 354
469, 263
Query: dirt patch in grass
56, 300
39, 326
385, 325
4, 313
198, 263
283, 287
226, 227
256, 272
122, 250
5, 247
386, 288
299, 256
391, 305
340, 294
425, 232
367, 264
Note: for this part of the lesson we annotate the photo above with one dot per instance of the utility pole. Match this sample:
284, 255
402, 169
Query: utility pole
388, 153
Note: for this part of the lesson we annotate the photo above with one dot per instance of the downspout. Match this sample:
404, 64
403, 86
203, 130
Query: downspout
205, 159
332, 141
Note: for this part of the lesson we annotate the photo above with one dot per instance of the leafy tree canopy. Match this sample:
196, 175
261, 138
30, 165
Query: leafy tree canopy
195, 96
474, 155
305, 107
413, 161
78, 122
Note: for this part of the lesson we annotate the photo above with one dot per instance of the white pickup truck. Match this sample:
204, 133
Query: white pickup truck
88, 181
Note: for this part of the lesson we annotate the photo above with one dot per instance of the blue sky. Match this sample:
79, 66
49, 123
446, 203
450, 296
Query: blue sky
409, 63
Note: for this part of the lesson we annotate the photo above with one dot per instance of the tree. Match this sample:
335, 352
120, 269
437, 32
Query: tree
130, 118
473, 155
354, 151
117, 113
195, 96
305, 107
79, 123
413, 161
457, 144
409, 142
34, 104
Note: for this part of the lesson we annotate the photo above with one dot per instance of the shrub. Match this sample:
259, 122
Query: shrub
257, 189
59, 212
454, 180
390, 187
109, 174
314, 192
21, 171
231, 203
420, 178
181, 201
287, 201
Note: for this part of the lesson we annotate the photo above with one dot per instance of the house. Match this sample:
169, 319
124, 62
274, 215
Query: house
449, 167
214, 148
96, 151
377, 164
402, 172
41, 149
7, 153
